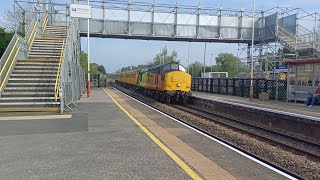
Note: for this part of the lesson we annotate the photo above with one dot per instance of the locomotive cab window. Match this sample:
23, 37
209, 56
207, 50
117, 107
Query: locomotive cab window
172, 67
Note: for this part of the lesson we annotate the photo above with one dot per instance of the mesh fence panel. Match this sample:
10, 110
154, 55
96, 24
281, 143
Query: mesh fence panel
277, 89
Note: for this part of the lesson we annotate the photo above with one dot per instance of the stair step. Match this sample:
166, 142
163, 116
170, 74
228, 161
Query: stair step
28, 103
33, 79
27, 93
48, 39
30, 84
56, 27
30, 109
25, 67
45, 51
28, 72
47, 44
61, 36
29, 89
55, 31
44, 56
46, 48
33, 75
29, 99
38, 63
26, 98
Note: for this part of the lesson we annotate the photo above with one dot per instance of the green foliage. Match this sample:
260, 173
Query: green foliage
94, 68
195, 69
101, 69
163, 57
226, 62
5, 38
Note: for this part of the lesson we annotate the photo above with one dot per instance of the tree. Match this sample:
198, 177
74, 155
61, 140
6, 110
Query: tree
5, 38
195, 69
93, 66
163, 57
101, 69
227, 62
13, 20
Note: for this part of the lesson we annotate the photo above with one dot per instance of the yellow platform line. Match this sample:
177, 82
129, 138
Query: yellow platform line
171, 154
45, 117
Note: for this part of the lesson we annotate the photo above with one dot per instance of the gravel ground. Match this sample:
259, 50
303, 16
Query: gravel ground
304, 166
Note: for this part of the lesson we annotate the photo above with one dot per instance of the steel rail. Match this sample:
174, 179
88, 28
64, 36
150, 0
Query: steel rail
286, 171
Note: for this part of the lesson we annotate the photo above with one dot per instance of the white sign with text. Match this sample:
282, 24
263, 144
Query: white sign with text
80, 11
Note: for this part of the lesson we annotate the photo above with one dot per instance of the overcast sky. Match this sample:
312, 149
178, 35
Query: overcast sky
116, 53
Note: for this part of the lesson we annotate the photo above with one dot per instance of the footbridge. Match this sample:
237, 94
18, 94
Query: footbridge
41, 71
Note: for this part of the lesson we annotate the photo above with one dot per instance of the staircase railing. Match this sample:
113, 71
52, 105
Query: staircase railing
17, 45
8, 59
305, 35
283, 33
57, 83
72, 76
45, 22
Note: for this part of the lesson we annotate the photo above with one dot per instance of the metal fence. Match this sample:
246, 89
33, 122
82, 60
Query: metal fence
72, 75
98, 80
277, 89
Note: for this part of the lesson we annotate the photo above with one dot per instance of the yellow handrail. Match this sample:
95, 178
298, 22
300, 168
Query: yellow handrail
34, 35
45, 21
57, 84
5, 78
34, 26
5, 64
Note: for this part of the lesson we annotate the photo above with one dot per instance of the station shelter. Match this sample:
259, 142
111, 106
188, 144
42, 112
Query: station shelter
302, 78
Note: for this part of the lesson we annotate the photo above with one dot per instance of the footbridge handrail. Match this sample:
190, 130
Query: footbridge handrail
16, 45
57, 83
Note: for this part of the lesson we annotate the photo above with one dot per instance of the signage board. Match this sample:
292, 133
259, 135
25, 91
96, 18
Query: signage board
280, 67
80, 11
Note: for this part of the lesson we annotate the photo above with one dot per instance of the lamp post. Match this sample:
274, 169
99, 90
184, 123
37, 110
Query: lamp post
211, 62
252, 43
188, 61
88, 36
204, 58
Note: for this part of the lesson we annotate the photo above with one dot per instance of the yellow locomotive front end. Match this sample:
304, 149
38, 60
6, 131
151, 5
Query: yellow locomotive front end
178, 81
175, 82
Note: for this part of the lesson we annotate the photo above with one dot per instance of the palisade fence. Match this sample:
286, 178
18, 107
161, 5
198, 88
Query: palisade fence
98, 80
277, 89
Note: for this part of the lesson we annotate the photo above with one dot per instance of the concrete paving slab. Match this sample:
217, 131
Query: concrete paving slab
112, 148
237, 165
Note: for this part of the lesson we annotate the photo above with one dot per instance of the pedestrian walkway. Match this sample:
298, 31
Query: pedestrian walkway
297, 108
111, 148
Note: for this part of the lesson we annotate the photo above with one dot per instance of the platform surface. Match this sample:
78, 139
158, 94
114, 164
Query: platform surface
297, 108
114, 146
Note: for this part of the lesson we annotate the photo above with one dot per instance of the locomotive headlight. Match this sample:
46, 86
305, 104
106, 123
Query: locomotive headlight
178, 85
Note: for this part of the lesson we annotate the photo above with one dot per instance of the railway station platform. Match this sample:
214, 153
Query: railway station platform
296, 108
120, 138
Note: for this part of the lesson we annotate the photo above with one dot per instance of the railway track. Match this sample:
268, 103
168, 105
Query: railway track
297, 146
289, 143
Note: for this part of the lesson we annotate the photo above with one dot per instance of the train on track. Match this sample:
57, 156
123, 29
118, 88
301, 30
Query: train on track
166, 82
